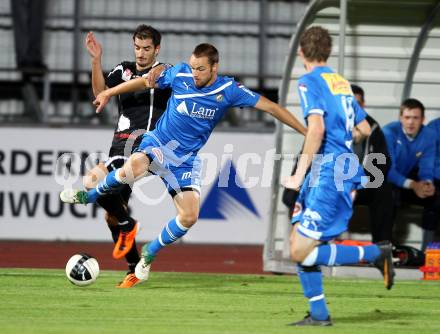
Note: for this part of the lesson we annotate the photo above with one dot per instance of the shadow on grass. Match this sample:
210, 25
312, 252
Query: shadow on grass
372, 316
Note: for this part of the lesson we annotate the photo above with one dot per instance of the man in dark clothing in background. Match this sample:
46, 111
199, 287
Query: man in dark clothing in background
375, 197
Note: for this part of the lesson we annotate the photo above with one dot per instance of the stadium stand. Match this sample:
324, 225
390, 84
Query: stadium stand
253, 35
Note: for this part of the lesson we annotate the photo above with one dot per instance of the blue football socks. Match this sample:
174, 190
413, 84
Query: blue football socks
311, 282
336, 255
170, 233
109, 184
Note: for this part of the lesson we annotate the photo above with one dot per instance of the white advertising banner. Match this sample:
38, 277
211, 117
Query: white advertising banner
236, 190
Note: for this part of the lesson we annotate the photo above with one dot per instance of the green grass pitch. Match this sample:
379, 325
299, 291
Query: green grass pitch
43, 301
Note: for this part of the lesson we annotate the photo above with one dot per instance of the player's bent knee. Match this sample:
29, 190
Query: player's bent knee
135, 168
303, 255
188, 219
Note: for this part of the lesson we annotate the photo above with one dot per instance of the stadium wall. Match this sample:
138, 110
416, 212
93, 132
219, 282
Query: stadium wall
236, 188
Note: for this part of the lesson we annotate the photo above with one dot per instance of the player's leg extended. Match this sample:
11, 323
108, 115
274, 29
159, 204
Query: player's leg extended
331, 254
335, 255
136, 167
326, 215
188, 206
310, 254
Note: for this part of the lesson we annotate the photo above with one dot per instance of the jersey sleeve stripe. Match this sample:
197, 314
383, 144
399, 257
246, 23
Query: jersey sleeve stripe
316, 111
215, 91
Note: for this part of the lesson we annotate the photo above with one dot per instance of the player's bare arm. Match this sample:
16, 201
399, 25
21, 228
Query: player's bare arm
362, 130
126, 87
312, 143
280, 113
95, 51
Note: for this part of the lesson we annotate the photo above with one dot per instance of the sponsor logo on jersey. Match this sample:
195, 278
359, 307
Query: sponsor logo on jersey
186, 175
186, 85
419, 154
127, 74
337, 84
219, 98
182, 109
196, 110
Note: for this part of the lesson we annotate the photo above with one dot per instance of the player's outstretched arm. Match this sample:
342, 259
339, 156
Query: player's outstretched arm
280, 113
126, 87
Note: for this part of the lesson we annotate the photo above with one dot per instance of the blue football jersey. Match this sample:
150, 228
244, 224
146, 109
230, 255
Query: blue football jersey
408, 154
327, 93
192, 112
435, 125
324, 208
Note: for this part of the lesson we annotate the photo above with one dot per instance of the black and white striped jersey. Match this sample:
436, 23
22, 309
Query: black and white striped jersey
138, 110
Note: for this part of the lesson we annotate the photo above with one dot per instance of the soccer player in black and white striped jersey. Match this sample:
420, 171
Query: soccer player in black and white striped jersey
138, 113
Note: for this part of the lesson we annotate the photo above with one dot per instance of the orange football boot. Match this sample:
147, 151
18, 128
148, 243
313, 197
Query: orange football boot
129, 281
125, 242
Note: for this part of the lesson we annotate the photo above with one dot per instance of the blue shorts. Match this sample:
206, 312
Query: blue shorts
179, 173
323, 212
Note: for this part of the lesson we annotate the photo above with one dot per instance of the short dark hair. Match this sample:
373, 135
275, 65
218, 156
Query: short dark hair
316, 44
412, 104
207, 50
357, 90
147, 32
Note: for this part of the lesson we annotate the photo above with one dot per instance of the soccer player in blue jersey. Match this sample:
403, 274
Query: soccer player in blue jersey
324, 205
413, 157
199, 99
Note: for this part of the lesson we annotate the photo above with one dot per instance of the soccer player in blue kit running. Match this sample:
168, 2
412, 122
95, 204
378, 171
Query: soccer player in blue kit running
199, 99
324, 205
